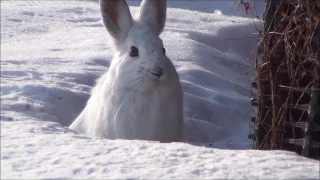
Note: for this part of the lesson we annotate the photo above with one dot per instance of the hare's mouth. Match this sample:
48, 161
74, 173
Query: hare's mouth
158, 72
158, 75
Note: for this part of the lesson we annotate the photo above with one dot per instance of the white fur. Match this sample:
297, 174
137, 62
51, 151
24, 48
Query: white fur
128, 102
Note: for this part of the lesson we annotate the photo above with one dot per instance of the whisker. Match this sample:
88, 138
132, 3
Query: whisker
125, 98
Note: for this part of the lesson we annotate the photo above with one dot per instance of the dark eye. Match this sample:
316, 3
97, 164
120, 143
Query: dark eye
164, 50
134, 51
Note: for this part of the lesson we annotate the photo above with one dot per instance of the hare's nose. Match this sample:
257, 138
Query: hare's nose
157, 71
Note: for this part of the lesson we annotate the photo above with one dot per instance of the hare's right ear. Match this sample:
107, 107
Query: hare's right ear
117, 19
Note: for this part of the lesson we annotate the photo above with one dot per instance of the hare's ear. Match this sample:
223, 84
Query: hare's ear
117, 19
153, 13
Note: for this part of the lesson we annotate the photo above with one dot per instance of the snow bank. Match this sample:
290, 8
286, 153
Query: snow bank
47, 150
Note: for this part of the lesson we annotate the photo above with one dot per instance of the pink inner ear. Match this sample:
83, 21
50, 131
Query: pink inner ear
112, 10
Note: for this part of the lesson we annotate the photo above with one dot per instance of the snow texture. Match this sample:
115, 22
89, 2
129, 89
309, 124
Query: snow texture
53, 51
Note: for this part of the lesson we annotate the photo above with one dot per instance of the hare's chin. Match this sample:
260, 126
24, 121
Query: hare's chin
152, 81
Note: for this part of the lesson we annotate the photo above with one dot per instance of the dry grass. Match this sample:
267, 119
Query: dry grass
287, 74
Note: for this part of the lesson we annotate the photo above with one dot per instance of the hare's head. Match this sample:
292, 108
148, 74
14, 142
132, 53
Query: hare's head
140, 56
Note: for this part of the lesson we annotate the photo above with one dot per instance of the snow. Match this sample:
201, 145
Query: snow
50, 151
53, 51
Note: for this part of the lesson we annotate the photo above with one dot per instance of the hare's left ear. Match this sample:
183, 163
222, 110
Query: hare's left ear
153, 13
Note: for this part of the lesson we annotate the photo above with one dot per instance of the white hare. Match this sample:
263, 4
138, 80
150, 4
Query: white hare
140, 97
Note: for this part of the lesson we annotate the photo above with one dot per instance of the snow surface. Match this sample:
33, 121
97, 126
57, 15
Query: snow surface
49, 151
53, 51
